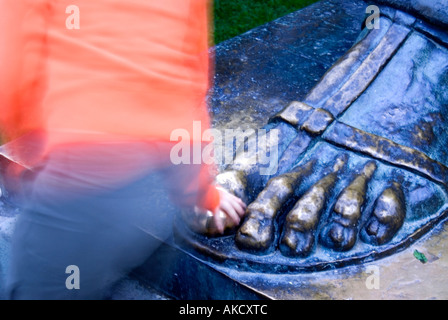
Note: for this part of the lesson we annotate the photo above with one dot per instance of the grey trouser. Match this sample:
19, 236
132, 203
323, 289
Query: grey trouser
91, 214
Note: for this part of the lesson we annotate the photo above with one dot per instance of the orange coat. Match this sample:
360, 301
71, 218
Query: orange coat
83, 71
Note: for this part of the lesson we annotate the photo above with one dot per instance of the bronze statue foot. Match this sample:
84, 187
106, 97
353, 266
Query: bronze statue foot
341, 233
257, 234
302, 221
387, 217
381, 110
258, 231
335, 217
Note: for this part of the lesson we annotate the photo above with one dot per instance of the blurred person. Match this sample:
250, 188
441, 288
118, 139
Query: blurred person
90, 93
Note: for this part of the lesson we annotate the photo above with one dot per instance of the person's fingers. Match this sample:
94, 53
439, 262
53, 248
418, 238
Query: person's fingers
230, 211
218, 222
240, 209
238, 200
237, 203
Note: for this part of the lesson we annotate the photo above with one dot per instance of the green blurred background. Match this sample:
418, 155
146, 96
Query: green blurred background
233, 17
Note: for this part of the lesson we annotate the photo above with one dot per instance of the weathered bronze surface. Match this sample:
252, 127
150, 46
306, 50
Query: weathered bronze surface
387, 150
257, 233
387, 217
295, 113
367, 71
381, 111
341, 232
318, 121
301, 222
